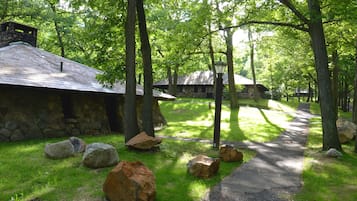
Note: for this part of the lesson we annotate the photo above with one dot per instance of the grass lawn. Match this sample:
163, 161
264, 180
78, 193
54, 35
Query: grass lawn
326, 178
193, 118
25, 173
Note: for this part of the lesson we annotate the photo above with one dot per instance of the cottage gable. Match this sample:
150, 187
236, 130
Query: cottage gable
44, 95
199, 84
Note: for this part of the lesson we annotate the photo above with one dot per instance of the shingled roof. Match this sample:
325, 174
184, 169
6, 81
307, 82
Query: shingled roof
206, 78
25, 65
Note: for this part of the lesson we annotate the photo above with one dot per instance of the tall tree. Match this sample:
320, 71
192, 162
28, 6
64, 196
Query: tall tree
328, 113
147, 64
225, 13
231, 82
251, 41
131, 126
354, 112
57, 27
315, 29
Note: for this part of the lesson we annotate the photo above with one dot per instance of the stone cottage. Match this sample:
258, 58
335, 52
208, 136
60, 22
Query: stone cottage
199, 84
43, 95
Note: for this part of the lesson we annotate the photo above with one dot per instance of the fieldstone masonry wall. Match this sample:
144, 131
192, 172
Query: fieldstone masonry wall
27, 113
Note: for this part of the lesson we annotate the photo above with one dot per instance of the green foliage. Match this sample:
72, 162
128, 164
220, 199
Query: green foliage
327, 178
25, 173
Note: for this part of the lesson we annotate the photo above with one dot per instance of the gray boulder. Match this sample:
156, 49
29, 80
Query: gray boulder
59, 150
78, 144
346, 130
99, 155
333, 153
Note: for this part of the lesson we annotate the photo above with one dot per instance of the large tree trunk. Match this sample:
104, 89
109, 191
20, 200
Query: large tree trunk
335, 80
211, 54
169, 77
174, 83
131, 125
309, 95
345, 95
328, 114
354, 112
255, 91
231, 82
147, 115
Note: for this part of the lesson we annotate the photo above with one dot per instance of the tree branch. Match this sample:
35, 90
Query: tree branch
293, 9
295, 26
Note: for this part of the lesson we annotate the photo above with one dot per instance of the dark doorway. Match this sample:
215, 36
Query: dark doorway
67, 106
111, 105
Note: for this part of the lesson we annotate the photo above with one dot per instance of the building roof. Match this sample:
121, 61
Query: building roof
25, 65
206, 78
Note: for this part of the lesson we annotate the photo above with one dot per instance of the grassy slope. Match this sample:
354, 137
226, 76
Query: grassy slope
326, 178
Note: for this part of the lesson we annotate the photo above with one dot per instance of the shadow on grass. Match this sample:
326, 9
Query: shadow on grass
269, 122
234, 128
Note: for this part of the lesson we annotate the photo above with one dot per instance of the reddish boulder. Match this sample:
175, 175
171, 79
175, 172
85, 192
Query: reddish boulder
229, 154
130, 181
203, 166
143, 141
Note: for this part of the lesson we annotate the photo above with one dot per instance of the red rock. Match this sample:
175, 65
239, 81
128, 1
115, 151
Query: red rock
143, 141
203, 166
229, 154
130, 181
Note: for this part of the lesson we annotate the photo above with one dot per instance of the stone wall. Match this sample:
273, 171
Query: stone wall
194, 91
30, 113
27, 113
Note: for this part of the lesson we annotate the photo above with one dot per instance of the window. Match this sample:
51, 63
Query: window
203, 89
195, 89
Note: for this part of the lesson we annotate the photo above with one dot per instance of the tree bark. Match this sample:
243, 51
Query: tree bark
335, 80
58, 32
354, 109
169, 77
330, 138
175, 77
147, 115
231, 82
131, 125
211, 55
345, 95
255, 91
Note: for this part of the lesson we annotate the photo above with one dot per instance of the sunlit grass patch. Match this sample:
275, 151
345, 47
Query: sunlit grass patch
194, 118
25, 173
327, 178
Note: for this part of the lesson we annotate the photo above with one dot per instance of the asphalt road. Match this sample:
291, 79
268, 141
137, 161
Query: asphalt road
275, 173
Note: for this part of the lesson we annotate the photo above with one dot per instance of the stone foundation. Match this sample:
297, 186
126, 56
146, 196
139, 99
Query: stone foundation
31, 113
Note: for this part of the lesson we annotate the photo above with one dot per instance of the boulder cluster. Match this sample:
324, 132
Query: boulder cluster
133, 181
127, 181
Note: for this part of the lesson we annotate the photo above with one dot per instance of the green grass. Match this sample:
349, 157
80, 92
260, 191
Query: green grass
193, 118
315, 109
326, 178
25, 173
